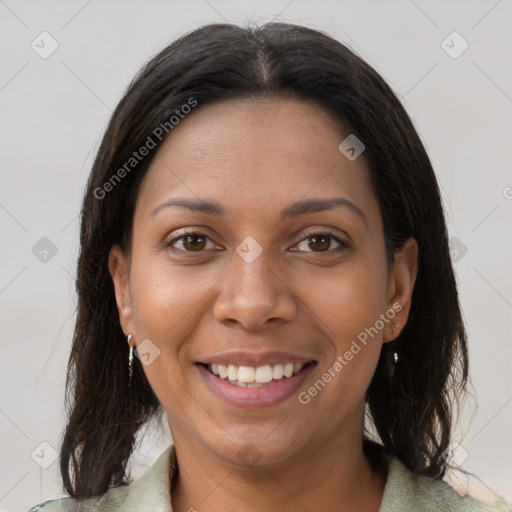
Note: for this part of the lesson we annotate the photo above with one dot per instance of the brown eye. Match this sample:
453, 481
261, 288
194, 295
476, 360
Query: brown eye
194, 242
190, 242
322, 242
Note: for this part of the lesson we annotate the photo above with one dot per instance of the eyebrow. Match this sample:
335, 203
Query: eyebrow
296, 209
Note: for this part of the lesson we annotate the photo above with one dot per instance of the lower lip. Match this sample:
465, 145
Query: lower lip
264, 396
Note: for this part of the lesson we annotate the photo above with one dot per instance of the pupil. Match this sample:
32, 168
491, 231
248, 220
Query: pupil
195, 241
325, 245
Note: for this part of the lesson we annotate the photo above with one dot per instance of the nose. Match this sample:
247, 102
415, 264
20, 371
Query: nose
254, 295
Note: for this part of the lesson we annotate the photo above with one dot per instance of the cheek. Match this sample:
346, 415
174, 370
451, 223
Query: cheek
167, 304
165, 296
348, 300
349, 304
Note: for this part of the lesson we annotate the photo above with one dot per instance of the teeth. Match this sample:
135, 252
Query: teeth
277, 371
245, 374
232, 372
263, 374
288, 370
223, 371
247, 385
254, 377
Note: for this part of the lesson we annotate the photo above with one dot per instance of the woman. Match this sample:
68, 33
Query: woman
263, 225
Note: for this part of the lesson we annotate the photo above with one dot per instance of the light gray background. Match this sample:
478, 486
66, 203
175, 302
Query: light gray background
54, 112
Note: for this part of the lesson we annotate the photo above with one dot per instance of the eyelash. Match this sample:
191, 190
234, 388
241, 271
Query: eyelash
327, 233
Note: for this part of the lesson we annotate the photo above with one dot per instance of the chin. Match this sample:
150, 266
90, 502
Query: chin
256, 451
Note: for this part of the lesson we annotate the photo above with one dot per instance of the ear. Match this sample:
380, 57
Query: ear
119, 265
401, 286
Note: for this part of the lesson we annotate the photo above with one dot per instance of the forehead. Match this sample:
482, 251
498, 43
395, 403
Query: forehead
256, 154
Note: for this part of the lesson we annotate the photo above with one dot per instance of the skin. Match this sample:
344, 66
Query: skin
256, 158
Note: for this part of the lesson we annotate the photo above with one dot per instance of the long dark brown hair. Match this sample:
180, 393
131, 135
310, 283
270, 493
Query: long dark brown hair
412, 410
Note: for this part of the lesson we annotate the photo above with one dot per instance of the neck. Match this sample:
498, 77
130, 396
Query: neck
336, 477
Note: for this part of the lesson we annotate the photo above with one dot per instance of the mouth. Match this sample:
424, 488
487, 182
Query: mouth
255, 376
255, 386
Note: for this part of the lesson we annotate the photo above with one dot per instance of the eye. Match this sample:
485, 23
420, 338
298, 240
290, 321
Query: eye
195, 241
192, 241
322, 241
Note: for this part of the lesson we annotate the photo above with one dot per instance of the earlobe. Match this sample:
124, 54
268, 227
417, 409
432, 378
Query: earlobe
118, 268
402, 286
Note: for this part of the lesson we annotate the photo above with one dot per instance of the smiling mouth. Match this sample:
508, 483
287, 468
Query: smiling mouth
256, 376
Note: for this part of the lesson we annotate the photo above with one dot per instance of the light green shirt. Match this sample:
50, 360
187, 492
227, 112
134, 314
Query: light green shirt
404, 492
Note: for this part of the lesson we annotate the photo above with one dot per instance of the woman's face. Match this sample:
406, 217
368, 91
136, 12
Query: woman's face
270, 274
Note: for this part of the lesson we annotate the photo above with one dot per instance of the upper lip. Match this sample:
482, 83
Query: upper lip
247, 358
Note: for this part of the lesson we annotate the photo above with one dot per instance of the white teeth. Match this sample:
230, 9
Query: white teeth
223, 371
263, 374
232, 372
249, 376
247, 385
288, 370
246, 374
278, 371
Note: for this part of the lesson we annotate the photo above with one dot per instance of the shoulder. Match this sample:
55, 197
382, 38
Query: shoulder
48, 506
150, 492
110, 501
406, 491
64, 505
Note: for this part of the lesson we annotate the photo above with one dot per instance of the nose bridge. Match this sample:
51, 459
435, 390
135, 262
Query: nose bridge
253, 272
252, 291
